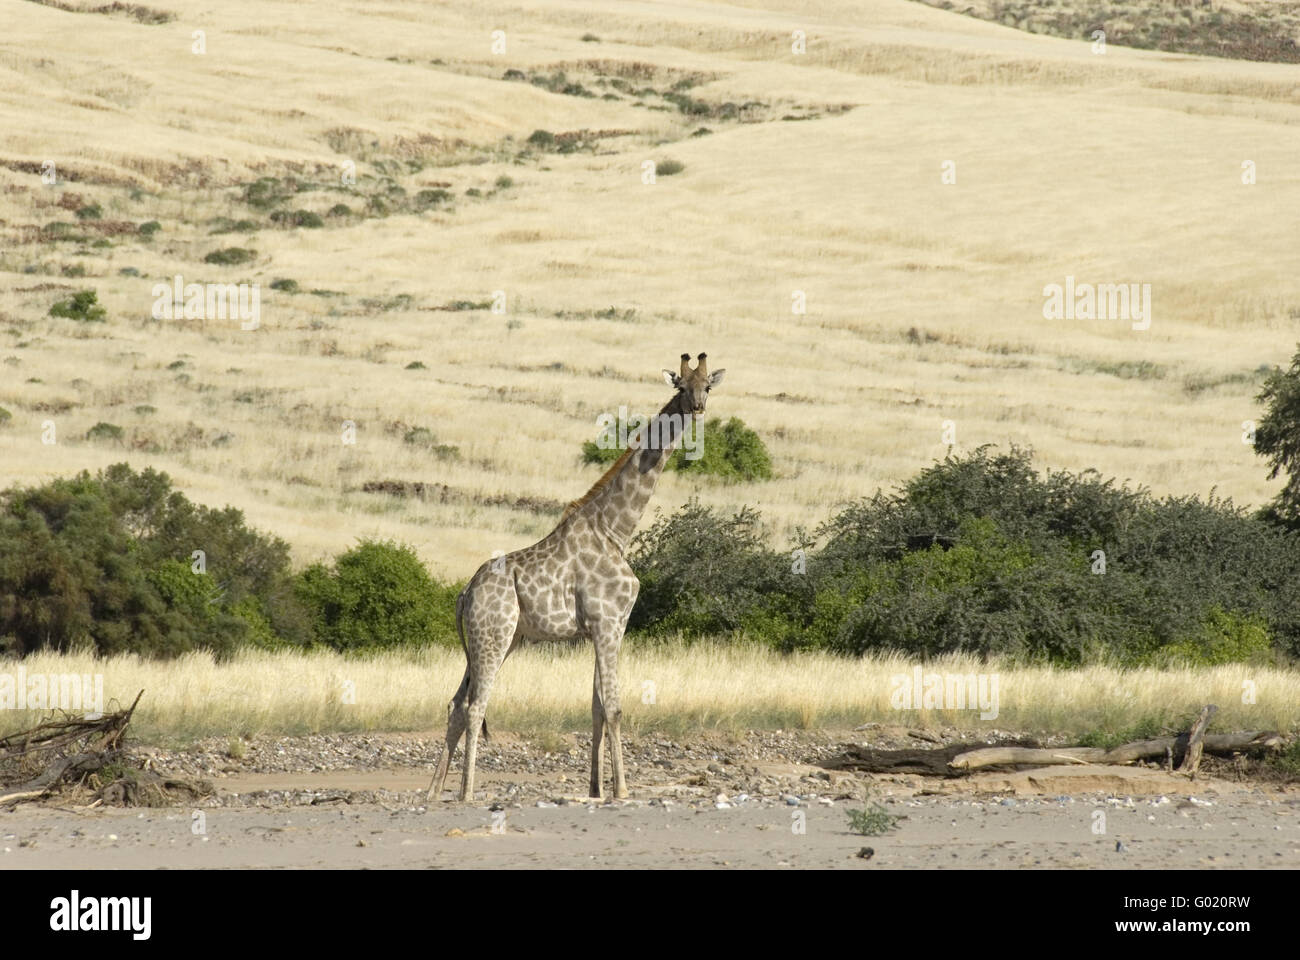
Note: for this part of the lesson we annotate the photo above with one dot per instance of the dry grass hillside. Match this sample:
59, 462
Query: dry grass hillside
819, 172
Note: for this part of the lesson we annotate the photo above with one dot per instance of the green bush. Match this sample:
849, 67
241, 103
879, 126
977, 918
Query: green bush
149, 228
378, 595
431, 198
105, 431
1225, 637
982, 555
731, 451
297, 218
684, 587
109, 559
231, 256
83, 306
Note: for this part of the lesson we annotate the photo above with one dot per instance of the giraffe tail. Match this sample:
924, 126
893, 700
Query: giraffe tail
462, 600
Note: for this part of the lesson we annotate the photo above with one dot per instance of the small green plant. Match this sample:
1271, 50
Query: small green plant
285, 284
149, 228
542, 138
5, 416
226, 225
669, 168
236, 749
424, 438
91, 211
504, 183
872, 821
590, 38
340, 210
416, 365
83, 306
231, 256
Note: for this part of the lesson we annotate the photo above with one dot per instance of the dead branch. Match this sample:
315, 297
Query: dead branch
1192, 758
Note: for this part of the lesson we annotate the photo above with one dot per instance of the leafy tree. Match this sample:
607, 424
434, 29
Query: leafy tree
1277, 438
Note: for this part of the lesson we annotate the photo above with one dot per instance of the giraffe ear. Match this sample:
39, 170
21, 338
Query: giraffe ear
672, 379
715, 377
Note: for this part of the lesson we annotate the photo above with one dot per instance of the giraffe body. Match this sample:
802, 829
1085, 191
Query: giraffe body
574, 583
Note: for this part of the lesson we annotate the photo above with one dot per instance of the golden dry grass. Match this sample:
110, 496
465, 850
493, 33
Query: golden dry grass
665, 688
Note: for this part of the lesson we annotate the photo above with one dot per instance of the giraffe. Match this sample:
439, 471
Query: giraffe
573, 583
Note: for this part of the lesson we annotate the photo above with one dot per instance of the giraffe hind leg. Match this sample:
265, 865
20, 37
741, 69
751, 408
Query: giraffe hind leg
457, 719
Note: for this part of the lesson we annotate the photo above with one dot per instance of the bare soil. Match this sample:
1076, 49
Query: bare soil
757, 800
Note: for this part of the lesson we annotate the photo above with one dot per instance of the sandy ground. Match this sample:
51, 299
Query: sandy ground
751, 807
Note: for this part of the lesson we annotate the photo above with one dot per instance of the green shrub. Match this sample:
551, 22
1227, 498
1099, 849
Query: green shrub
431, 198
982, 555
83, 306
297, 218
1225, 637
5, 416
669, 168
285, 284
684, 587
231, 256
542, 138
108, 559
105, 431
149, 228
378, 595
91, 211
731, 451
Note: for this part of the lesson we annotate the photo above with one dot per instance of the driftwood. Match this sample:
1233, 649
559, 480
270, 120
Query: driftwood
958, 758
61, 749
1195, 741
935, 763
1215, 743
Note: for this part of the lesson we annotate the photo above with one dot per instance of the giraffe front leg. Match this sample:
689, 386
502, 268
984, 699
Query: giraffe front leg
607, 668
597, 737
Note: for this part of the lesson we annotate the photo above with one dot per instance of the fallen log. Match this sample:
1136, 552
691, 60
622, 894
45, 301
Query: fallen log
933, 763
1218, 744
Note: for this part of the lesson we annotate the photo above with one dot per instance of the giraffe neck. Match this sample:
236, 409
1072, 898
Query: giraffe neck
619, 504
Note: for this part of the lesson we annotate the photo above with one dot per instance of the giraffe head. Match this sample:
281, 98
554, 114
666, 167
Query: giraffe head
693, 386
